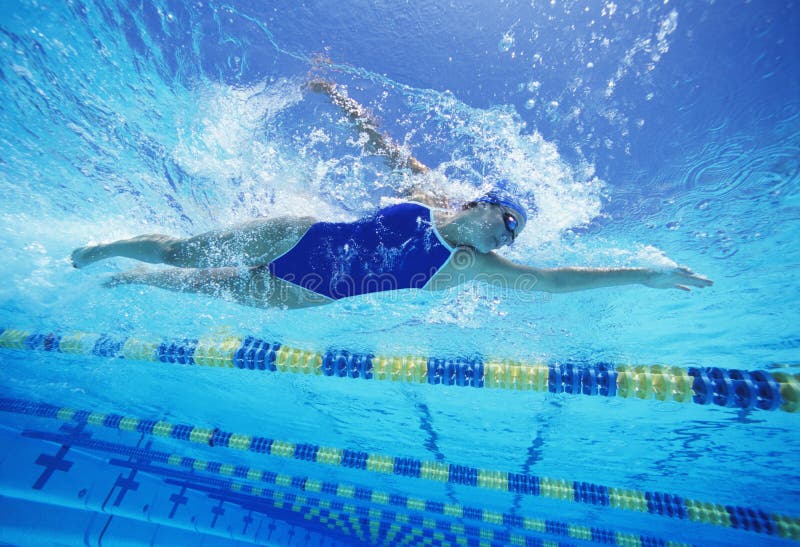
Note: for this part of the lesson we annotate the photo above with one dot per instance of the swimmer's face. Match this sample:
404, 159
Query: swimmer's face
494, 226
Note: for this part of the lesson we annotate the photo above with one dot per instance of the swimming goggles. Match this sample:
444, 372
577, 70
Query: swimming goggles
511, 224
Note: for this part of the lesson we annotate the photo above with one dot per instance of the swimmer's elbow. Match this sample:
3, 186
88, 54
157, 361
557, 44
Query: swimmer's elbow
547, 281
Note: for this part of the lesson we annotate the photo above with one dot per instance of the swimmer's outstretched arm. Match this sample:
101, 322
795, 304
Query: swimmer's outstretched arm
502, 272
578, 279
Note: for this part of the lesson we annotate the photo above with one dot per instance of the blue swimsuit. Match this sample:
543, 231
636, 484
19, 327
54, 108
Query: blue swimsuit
397, 248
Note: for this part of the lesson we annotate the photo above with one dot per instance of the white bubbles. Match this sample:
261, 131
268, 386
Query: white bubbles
651, 48
609, 9
232, 135
318, 136
487, 145
506, 42
534, 86
637, 255
610, 86
668, 25
655, 257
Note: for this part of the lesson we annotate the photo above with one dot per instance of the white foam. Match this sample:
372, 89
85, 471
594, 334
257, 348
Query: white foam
565, 196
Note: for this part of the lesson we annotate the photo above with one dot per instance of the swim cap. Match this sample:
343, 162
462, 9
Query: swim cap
501, 197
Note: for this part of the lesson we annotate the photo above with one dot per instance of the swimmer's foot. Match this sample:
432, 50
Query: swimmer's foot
83, 256
135, 275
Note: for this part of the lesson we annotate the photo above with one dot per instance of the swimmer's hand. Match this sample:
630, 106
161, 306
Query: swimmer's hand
677, 278
318, 85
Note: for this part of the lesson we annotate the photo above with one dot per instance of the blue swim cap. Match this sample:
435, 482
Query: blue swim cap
498, 196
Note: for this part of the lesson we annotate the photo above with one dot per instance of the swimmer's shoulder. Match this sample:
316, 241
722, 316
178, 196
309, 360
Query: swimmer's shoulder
431, 201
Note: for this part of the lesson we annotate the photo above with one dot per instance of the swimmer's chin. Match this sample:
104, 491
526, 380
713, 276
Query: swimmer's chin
488, 248
477, 249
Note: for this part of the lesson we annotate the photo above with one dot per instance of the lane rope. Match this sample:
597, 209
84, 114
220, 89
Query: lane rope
703, 386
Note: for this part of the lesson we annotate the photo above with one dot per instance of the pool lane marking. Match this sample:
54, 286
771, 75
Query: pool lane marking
346, 491
655, 503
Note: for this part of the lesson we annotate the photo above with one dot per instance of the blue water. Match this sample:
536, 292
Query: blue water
646, 134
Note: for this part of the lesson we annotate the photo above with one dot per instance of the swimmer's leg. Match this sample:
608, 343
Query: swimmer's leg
153, 248
248, 286
255, 242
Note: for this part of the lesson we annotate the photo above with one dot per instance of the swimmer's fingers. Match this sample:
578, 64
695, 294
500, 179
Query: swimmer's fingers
693, 279
678, 278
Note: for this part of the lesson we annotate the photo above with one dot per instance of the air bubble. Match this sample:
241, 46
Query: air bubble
506, 42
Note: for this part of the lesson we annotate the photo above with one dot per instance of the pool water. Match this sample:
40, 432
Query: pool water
644, 135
